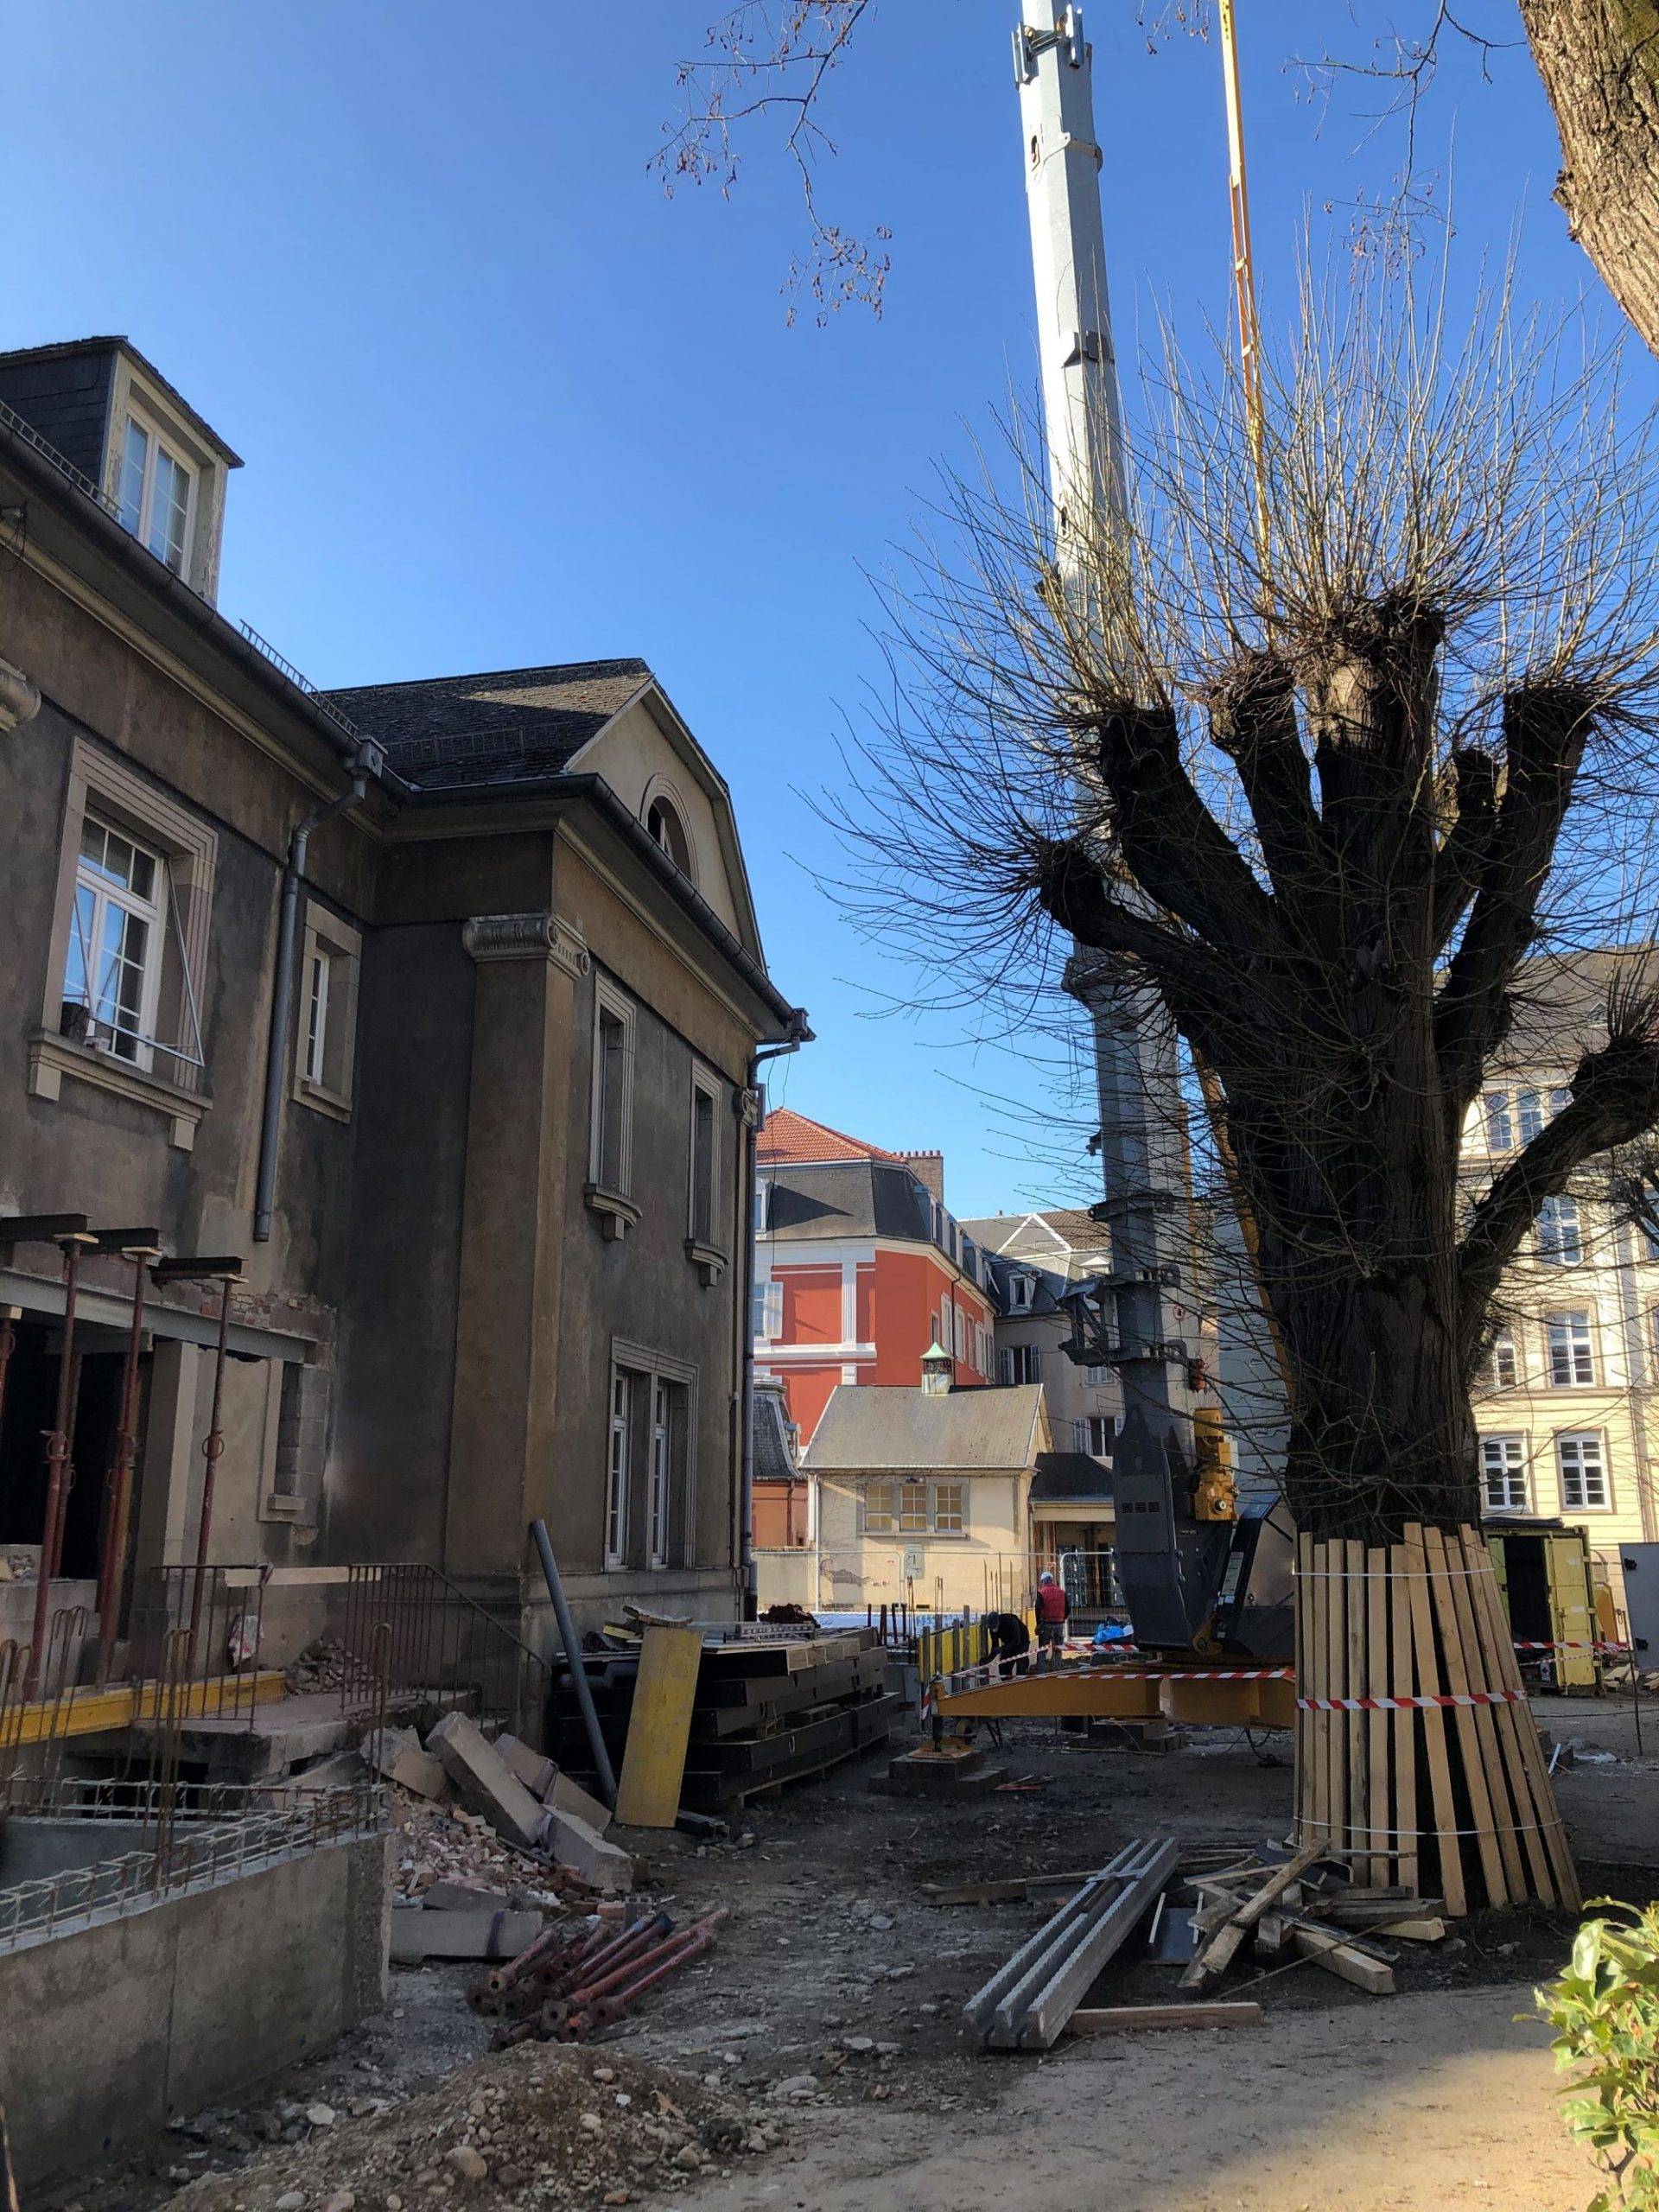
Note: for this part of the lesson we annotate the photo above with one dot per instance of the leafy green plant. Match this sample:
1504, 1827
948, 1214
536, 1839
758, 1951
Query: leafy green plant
1605, 2010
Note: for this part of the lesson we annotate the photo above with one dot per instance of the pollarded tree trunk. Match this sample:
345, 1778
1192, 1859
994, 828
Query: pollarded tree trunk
1599, 61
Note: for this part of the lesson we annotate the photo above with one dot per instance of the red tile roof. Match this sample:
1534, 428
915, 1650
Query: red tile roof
786, 1135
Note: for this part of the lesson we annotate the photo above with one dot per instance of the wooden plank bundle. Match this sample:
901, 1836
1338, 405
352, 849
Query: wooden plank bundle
1417, 1759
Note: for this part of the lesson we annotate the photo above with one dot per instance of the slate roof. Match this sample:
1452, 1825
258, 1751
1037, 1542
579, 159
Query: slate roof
848, 1197
1070, 1478
448, 732
788, 1136
773, 1460
884, 1428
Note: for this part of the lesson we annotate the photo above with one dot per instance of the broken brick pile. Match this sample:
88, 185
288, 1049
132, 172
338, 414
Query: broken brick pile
543, 2125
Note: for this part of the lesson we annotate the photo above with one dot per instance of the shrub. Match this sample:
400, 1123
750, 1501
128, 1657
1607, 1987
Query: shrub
1605, 2010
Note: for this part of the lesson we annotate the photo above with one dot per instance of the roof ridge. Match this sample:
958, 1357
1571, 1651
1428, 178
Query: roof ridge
861, 1145
630, 661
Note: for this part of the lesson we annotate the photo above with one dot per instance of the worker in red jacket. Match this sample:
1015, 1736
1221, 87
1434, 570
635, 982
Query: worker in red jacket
1051, 1609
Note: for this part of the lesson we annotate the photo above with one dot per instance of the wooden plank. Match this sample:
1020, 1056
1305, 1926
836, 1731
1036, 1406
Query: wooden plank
1216, 1956
1420, 1929
1358, 1681
1541, 1789
1498, 1672
1335, 1667
1486, 1717
659, 1728
1378, 1673
1432, 1720
1346, 1961
88, 1711
1403, 1807
1316, 1686
1119, 2019
1303, 1619
1446, 1590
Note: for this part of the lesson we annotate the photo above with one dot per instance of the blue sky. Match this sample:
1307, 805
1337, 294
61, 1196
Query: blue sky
503, 402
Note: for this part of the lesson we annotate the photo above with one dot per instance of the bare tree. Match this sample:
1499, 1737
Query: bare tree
1350, 801
769, 60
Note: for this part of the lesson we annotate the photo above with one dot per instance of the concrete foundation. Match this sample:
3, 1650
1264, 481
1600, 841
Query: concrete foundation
109, 2031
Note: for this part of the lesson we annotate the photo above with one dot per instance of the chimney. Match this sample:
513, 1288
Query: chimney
937, 1365
928, 1168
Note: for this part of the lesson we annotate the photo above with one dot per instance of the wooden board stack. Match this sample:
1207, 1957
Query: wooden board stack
1455, 1794
763, 1713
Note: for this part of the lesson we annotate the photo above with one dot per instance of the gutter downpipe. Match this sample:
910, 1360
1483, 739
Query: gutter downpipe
748, 1592
282, 993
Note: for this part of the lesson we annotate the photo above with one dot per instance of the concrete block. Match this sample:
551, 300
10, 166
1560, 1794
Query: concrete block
418, 1934
570, 1797
344, 1772
585, 1852
397, 1754
462, 1896
485, 1781
533, 1769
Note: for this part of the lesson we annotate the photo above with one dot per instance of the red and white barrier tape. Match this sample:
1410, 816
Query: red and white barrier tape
1621, 1649
1406, 1704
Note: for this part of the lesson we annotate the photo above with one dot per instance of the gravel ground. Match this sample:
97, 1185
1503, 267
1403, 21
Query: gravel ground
836, 1988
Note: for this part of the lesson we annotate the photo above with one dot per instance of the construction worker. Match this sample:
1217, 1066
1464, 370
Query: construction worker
1010, 1644
1052, 1606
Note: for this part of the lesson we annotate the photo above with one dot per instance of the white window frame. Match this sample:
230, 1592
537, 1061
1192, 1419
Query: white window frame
1504, 1460
662, 1471
1560, 1244
337, 949
770, 1297
1022, 1290
1101, 1426
1504, 1341
1529, 1113
762, 1204
612, 1005
1014, 1356
159, 443
618, 1465
705, 1084
134, 1042
878, 1508
1571, 1462
948, 1504
1570, 1348
1500, 1126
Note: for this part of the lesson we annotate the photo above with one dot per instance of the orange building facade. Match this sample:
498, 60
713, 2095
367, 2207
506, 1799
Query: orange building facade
859, 1268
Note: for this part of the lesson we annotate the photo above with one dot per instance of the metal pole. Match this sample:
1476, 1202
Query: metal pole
211, 1451
57, 1458
111, 1565
573, 1653
8, 1337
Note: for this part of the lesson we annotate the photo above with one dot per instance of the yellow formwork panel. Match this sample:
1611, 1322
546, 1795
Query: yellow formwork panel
659, 1727
90, 1711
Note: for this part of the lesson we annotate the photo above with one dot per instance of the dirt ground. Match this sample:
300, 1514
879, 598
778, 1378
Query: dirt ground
829, 2016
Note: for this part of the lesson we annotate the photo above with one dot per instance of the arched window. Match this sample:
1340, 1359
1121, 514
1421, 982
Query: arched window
662, 821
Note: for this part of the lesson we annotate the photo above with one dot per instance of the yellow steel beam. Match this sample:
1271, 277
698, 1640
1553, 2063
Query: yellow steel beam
88, 1711
1125, 1696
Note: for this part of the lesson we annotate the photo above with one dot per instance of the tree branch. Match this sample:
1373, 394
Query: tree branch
1253, 720
1072, 891
1615, 1098
1545, 730
1463, 849
1171, 843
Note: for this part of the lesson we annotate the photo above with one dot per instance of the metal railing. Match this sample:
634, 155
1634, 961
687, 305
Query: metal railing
443, 1644
285, 667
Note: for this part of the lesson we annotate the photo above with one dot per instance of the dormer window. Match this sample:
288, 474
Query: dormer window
157, 495
663, 822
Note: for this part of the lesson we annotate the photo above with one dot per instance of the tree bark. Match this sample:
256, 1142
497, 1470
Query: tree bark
1599, 62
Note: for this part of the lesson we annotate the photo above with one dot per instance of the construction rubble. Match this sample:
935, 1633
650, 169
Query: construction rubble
536, 2126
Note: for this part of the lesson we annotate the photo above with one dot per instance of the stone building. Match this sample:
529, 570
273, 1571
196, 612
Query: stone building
437, 1005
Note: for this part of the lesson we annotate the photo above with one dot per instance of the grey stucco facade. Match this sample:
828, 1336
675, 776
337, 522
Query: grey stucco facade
426, 1348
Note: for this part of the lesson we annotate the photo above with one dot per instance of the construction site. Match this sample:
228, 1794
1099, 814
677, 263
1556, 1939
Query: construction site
569, 1635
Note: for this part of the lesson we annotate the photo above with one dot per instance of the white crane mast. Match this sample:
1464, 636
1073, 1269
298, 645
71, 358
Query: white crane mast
1143, 1140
